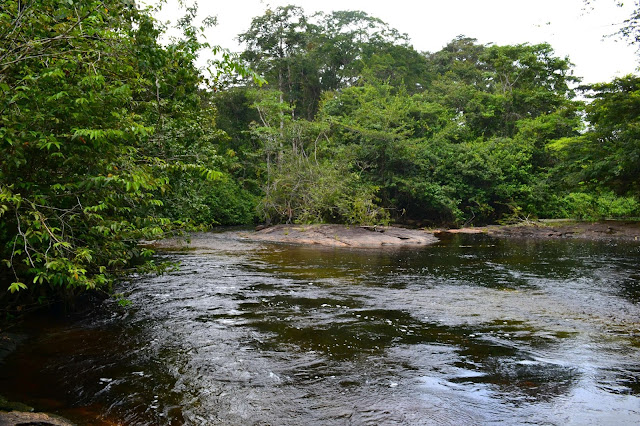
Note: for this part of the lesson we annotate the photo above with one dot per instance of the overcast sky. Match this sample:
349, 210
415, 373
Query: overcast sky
565, 24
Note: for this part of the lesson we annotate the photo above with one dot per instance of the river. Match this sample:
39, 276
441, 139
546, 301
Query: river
470, 330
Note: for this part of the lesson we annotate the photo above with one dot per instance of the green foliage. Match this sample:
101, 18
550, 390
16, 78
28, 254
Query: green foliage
310, 192
430, 160
469, 133
303, 191
607, 156
99, 123
72, 142
304, 56
455, 136
222, 201
588, 206
306, 180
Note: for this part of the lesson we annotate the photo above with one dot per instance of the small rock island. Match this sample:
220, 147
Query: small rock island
345, 236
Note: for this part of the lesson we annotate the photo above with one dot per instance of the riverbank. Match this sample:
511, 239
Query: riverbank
608, 230
353, 236
371, 237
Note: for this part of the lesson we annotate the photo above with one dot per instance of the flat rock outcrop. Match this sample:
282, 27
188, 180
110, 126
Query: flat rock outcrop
344, 236
605, 230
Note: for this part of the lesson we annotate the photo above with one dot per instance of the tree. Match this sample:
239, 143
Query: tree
304, 56
71, 140
608, 154
347, 43
275, 45
494, 87
472, 144
307, 180
96, 120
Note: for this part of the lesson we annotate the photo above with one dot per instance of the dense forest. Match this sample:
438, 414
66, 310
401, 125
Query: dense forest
111, 135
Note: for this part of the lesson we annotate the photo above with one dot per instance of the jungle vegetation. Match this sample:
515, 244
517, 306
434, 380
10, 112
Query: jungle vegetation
110, 135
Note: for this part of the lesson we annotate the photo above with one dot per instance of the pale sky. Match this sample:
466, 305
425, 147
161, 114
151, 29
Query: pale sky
565, 24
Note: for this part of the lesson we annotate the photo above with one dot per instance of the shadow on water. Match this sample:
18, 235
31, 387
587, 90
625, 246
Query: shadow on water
93, 371
469, 330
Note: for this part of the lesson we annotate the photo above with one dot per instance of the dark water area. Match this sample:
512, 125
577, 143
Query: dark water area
471, 330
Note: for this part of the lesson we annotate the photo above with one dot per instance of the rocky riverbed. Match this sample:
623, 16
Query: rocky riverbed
354, 236
608, 230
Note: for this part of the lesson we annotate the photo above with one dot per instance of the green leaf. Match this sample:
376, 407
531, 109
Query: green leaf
17, 286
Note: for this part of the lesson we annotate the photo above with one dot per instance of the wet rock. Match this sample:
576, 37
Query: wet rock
14, 418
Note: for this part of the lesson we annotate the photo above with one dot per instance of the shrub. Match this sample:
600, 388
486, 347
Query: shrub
585, 206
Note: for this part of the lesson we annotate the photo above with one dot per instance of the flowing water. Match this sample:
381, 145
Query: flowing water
471, 330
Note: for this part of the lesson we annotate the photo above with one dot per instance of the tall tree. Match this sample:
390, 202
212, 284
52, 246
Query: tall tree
304, 56
275, 46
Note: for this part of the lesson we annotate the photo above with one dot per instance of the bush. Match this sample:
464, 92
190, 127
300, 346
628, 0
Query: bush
303, 191
585, 206
222, 201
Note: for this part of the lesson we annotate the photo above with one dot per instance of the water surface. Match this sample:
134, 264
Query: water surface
472, 330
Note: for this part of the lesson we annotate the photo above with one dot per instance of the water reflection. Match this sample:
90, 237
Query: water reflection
470, 330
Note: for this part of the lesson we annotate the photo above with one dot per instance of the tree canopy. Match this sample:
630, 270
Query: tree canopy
469, 133
110, 138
